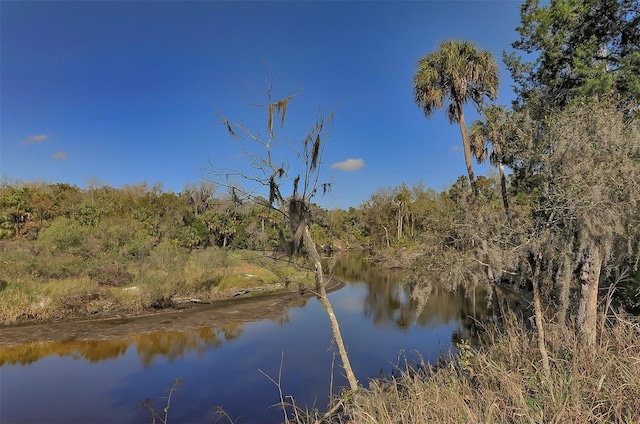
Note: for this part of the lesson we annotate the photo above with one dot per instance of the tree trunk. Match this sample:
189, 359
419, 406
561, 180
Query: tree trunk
473, 299
326, 304
588, 307
386, 235
413, 219
503, 187
537, 306
467, 153
563, 280
495, 304
400, 221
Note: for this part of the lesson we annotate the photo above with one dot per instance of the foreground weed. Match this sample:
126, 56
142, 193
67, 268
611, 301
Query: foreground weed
162, 417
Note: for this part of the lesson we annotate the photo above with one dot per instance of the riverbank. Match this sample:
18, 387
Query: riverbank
256, 305
43, 286
179, 318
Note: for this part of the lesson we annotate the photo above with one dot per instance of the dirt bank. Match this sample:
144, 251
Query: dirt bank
247, 307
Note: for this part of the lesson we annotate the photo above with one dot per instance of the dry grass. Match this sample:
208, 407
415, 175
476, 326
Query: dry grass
39, 285
15, 302
502, 382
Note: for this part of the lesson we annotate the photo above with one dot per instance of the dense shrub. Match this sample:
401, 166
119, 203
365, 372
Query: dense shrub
167, 257
110, 275
64, 235
47, 266
139, 246
7, 229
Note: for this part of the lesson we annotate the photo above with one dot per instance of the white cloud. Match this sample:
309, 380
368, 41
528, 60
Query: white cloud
349, 165
60, 155
35, 139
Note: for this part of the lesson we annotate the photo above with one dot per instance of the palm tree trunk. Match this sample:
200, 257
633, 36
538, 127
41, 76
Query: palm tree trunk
321, 293
467, 153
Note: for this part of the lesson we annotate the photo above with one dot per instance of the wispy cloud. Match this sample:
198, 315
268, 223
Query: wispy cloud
349, 165
60, 155
35, 139
455, 148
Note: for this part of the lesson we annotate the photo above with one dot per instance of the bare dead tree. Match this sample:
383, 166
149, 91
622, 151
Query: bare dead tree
287, 173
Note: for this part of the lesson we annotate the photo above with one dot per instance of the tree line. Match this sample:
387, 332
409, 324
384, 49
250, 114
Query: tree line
201, 215
569, 229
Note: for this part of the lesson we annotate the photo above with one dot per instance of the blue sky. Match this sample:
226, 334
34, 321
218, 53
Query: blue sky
123, 92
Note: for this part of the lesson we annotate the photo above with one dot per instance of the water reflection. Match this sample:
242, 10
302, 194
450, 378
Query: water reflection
170, 345
388, 302
91, 350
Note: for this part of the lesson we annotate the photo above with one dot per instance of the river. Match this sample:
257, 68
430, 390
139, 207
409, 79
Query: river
103, 377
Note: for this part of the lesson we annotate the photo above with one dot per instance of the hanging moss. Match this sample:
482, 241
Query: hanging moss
278, 108
315, 153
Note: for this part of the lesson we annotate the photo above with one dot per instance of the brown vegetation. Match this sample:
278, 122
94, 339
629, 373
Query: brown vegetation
502, 381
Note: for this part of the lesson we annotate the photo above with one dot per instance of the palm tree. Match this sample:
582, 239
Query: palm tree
458, 71
492, 130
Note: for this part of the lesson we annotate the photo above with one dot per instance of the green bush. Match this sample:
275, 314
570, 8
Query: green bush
64, 235
139, 246
167, 256
7, 229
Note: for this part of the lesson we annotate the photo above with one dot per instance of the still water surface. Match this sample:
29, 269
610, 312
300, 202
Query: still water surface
103, 381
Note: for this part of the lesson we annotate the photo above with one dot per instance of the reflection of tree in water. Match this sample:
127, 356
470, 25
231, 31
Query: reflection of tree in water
97, 350
508, 300
352, 267
172, 345
475, 310
91, 350
285, 317
387, 301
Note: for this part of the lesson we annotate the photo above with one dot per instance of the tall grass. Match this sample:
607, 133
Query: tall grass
502, 382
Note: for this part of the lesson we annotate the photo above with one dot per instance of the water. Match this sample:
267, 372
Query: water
103, 381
